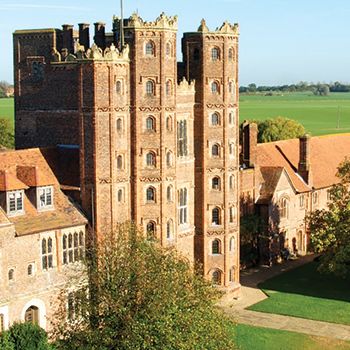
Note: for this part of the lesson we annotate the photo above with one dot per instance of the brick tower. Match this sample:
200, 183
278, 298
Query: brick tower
210, 57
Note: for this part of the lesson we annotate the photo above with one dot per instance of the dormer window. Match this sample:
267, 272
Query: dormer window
45, 196
15, 202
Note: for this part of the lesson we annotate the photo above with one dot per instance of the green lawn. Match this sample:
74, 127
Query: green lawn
303, 292
7, 108
318, 114
257, 338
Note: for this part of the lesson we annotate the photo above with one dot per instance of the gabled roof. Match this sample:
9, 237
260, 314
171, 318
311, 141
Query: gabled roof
35, 170
326, 152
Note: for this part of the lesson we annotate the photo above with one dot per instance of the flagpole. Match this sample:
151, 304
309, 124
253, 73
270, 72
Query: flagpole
121, 36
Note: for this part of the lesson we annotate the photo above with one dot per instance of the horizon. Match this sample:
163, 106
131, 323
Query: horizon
289, 54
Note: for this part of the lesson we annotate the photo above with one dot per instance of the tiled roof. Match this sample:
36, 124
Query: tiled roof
33, 176
271, 176
326, 152
63, 214
9, 182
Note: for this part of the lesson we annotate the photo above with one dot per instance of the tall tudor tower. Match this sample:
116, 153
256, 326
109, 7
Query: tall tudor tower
157, 140
211, 59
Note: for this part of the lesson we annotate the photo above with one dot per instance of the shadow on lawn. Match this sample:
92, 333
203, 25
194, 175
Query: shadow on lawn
306, 280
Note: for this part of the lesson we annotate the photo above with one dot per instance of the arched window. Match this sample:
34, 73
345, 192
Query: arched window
169, 193
151, 159
230, 87
32, 315
168, 49
215, 216
232, 244
120, 162
169, 229
150, 87
215, 87
230, 54
215, 150
119, 124
149, 48
216, 246
231, 182
46, 253
169, 123
232, 214
216, 277
215, 119
215, 54
232, 149
150, 194
150, 123
183, 206
151, 229
196, 54
11, 274
315, 198
230, 118
231, 274
120, 195
73, 246
118, 87
284, 207
168, 88
215, 183
169, 159
30, 270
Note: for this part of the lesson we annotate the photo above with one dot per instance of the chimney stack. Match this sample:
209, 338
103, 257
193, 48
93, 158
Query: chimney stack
100, 35
304, 166
67, 38
249, 143
84, 35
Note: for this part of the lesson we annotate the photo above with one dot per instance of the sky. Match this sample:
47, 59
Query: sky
281, 41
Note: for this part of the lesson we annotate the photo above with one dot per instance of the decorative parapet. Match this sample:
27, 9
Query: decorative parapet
94, 53
185, 86
162, 22
226, 28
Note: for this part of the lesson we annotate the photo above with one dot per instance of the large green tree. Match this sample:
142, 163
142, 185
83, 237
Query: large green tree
330, 228
279, 128
141, 296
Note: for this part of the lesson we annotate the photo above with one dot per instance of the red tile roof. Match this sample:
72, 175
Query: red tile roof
9, 182
33, 176
326, 152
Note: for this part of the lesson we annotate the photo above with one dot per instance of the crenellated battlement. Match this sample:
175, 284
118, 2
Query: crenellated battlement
162, 22
94, 53
186, 86
225, 28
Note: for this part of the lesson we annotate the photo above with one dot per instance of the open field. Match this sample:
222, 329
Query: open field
304, 292
318, 114
257, 338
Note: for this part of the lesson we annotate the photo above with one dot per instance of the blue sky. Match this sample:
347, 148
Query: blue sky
281, 41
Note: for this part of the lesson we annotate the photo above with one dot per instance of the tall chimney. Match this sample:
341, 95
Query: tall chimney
304, 166
67, 39
84, 35
249, 143
100, 35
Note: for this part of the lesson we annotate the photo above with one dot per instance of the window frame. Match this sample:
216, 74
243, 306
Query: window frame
150, 88
151, 194
216, 246
47, 254
216, 216
47, 192
215, 54
16, 210
73, 247
150, 49
183, 206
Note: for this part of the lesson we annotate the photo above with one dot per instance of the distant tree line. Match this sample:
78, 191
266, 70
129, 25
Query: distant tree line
6, 89
317, 89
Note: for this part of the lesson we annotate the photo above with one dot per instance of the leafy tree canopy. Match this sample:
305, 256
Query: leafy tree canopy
142, 296
330, 229
279, 128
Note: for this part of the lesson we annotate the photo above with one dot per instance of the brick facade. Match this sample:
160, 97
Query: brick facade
143, 128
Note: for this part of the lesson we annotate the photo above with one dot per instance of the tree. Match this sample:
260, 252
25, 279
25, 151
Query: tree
141, 296
330, 229
24, 336
321, 90
6, 136
279, 128
252, 87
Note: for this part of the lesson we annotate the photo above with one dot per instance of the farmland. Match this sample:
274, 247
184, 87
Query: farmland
320, 115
